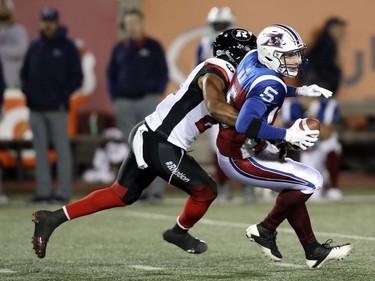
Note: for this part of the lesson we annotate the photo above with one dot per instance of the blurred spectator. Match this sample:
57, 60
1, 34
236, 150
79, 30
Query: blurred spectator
88, 62
3, 198
137, 76
50, 74
219, 19
111, 152
325, 155
13, 44
324, 67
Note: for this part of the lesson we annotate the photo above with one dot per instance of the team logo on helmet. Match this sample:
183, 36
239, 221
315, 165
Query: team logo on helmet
241, 34
275, 40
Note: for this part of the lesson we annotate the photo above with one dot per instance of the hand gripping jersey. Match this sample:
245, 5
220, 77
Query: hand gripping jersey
258, 92
182, 116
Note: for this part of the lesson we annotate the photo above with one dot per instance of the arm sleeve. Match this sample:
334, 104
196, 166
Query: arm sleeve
75, 71
251, 124
291, 91
25, 72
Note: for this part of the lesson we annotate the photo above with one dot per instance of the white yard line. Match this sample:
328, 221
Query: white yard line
241, 225
284, 264
145, 267
6, 270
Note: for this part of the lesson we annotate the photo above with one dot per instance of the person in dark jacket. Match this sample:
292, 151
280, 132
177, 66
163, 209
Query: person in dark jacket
137, 76
50, 74
324, 67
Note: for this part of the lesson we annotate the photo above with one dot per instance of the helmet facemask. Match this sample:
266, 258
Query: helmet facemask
290, 62
234, 56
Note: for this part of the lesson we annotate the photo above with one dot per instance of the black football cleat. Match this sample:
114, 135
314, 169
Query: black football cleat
185, 241
265, 239
325, 252
44, 226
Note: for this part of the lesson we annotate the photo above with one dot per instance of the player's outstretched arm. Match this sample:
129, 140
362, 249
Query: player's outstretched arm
213, 88
313, 91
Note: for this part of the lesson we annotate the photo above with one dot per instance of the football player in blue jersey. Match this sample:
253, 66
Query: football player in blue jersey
248, 151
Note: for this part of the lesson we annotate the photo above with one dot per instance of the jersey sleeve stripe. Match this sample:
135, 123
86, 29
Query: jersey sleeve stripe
222, 70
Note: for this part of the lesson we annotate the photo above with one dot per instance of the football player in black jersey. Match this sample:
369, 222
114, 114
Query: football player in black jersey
159, 148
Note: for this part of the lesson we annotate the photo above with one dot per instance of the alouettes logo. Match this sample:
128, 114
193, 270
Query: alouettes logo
275, 40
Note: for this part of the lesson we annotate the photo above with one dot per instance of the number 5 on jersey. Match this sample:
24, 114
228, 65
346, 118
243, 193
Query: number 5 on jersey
269, 94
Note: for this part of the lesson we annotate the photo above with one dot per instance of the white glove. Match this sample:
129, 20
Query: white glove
300, 138
313, 91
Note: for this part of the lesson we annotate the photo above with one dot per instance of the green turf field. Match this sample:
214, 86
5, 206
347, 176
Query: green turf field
126, 244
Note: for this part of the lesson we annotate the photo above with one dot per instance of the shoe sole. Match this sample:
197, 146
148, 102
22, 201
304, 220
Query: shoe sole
251, 231
344, 252
37, 240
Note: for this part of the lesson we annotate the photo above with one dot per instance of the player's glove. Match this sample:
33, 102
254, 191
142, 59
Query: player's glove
313, 91
301, 138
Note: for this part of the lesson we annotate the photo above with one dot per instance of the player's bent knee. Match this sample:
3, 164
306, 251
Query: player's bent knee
127, 196
204, 193
119, 190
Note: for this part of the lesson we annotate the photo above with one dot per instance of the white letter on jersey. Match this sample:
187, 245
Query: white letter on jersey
269, 94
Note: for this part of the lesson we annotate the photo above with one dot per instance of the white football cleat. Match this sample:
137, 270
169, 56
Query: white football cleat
265, 239
326, 252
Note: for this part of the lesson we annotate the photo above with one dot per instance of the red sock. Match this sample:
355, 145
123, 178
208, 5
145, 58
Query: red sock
97, 201
286, 202
196, 206
300, 221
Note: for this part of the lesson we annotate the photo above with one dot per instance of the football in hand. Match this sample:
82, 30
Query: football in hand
309, 124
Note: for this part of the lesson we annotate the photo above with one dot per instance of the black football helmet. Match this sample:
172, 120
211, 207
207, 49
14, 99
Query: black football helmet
233, 44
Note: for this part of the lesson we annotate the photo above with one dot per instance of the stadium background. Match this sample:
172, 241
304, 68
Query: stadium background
96, 21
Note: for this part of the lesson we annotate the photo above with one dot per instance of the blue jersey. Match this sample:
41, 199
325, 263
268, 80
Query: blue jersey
258, 93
